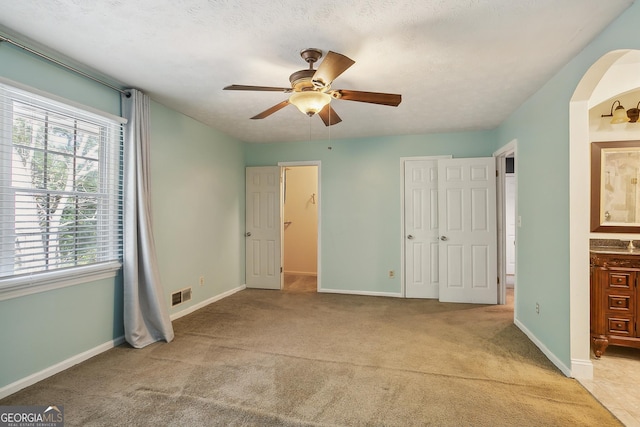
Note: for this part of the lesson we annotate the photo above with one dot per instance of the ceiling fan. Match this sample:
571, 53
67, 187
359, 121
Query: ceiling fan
311, 89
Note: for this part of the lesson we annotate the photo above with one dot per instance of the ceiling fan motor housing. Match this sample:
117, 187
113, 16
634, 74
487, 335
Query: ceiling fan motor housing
301, 80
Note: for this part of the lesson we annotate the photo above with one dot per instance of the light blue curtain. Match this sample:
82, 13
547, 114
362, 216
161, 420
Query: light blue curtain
146, 316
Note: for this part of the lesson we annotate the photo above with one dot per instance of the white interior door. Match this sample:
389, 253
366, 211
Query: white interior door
468, 237
421, 228
262, 229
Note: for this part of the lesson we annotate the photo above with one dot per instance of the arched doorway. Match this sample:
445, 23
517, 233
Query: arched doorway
614, 73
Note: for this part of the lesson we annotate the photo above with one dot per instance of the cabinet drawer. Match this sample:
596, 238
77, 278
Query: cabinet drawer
620, 326
620, 302
620, 280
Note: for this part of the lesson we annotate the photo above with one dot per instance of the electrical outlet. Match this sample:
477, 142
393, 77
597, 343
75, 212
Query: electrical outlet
392, 274
201, 280
537, 308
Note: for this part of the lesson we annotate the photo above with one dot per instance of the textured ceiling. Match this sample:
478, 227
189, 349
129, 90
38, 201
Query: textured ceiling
459, 64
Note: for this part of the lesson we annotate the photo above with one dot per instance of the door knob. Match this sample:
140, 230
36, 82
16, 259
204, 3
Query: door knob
444, 238
248, 233
410, 237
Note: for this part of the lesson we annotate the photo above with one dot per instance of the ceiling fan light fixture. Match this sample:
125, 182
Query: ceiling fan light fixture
310, 102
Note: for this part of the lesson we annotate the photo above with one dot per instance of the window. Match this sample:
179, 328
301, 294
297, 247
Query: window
60, 188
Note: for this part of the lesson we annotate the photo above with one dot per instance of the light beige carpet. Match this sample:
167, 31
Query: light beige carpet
274, 358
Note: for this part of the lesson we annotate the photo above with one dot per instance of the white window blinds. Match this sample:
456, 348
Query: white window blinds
60, 185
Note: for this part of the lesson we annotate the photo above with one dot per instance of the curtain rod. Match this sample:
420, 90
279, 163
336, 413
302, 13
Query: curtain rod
62, 64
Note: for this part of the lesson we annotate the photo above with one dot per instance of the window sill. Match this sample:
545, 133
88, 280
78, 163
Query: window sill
15, 287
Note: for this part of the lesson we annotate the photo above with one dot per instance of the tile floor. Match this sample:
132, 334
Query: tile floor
616, 383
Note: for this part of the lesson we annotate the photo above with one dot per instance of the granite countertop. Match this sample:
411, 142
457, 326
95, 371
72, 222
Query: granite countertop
612, 246
614, 250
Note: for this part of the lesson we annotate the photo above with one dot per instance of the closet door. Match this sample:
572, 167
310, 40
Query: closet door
421, 228
262, 229
468, 236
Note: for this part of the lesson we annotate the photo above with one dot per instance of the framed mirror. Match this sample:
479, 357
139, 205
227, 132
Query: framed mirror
615, 190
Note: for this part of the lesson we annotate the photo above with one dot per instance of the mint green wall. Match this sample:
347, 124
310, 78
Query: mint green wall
22, 67
360, 199
541, 126
197, 206
41, 330
197, 181
38, 331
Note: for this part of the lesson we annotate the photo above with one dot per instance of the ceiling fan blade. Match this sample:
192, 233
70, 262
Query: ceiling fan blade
329, 116
270, 111
258, 88
331, 67
390, 99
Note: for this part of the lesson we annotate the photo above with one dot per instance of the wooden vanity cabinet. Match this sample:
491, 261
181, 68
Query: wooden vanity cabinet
615, 300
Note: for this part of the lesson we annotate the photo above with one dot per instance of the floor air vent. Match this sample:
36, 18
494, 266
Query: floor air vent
180, 296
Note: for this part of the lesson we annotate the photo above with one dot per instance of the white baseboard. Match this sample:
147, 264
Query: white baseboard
365, 293
206, 302
552, 357
59, 367
582, 369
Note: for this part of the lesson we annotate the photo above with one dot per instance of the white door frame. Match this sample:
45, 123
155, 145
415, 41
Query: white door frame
319, 207
509, 149
403, 291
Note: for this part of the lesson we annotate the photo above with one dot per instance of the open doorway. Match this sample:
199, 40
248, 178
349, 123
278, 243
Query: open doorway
300, 202
615, 73
611, 78
507, 222
510, 222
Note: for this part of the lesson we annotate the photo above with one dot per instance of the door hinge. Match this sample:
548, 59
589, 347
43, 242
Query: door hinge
280, 269
498, 280
497, 173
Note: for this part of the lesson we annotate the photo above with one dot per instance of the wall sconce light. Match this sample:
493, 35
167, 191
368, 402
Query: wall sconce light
618, 115
634, 113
